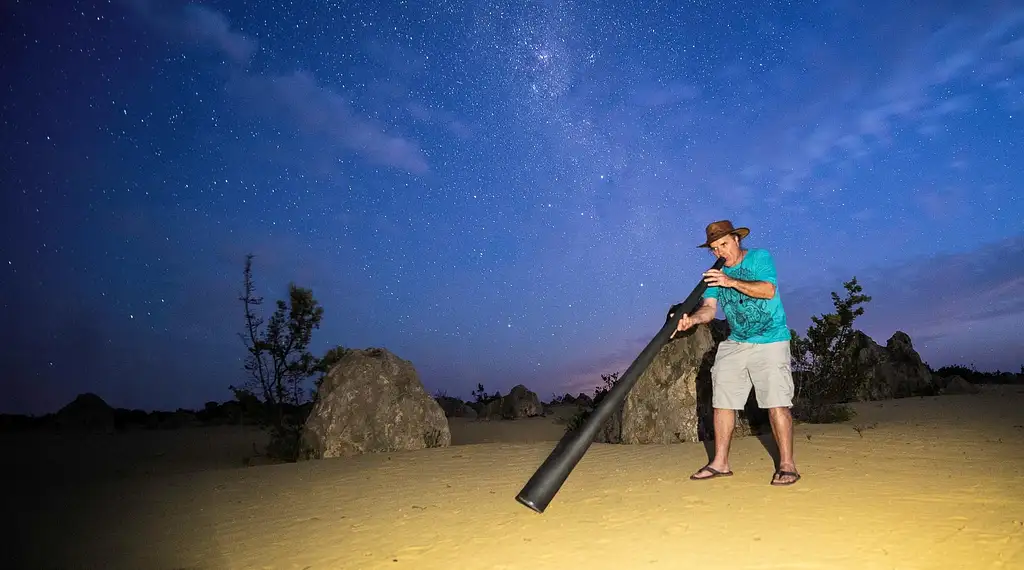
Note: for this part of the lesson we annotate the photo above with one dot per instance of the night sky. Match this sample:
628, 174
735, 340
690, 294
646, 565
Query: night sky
499, 192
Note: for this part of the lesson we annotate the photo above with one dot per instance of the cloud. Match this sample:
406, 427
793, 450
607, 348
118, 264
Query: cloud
832, 131
943, 204
212, 28
319, 111
1014, 49
315, 110
449, 121
196, 25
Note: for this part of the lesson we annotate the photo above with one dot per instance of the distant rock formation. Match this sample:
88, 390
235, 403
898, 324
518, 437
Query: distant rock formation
519, 403
86, 413
895, 371
456, 408
955, 385
372, 401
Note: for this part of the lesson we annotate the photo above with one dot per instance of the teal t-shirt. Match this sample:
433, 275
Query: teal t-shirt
750, 319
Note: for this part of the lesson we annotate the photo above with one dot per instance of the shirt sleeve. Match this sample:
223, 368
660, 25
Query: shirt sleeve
710, 293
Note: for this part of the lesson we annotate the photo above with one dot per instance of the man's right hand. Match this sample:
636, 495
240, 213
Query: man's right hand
704, 314
686, 322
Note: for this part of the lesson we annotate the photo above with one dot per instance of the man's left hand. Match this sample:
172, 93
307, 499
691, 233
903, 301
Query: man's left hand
715, 278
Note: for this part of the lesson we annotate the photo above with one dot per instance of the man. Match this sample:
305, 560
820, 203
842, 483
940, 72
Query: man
756, 353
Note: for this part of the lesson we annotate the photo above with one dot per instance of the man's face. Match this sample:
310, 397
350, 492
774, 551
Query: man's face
727, 247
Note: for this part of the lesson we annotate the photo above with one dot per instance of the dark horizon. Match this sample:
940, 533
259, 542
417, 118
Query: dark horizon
466, 398
499, 196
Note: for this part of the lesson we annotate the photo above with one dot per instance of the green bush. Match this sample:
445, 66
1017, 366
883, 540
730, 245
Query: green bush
825, 373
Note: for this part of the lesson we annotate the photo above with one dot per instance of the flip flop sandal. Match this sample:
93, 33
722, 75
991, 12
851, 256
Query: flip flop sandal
781, 473
714, 473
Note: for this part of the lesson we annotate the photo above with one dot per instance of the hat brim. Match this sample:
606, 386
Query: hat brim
741, 232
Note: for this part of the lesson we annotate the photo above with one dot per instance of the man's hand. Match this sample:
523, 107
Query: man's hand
715, 278
702, 315
684, 323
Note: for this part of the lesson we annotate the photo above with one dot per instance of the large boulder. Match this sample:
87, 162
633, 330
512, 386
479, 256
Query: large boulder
895, 371
372, 401
671, 401
663, 405
86, 413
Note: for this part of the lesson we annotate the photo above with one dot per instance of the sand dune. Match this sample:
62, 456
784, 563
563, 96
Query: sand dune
924, 483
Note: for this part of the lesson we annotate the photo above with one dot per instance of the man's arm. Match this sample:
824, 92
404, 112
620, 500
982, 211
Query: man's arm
706, 312
757, 289
762, 286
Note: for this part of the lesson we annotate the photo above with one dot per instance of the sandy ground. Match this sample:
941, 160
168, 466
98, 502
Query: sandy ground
929, 483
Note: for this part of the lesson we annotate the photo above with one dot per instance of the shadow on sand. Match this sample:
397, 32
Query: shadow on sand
87, 516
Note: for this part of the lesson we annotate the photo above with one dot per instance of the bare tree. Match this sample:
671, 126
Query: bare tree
278, 360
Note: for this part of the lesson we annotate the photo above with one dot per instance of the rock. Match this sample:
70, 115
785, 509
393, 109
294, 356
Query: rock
895, 371
520, 403
86, 413
671, 401
663, 405
372, 401
567, 399
489, 409
456, 408
957, 385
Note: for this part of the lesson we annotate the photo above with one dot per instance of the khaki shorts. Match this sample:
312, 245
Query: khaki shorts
742, 365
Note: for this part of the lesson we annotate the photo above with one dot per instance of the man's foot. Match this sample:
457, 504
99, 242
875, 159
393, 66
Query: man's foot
709, 473
785, 476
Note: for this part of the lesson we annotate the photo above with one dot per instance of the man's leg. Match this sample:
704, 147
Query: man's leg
773, 386
782, 428
725, 423
731, 386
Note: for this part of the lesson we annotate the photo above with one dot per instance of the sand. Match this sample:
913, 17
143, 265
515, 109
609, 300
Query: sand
922, 483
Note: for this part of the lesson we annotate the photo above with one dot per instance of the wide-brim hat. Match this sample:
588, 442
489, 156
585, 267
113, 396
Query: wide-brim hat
717, 230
